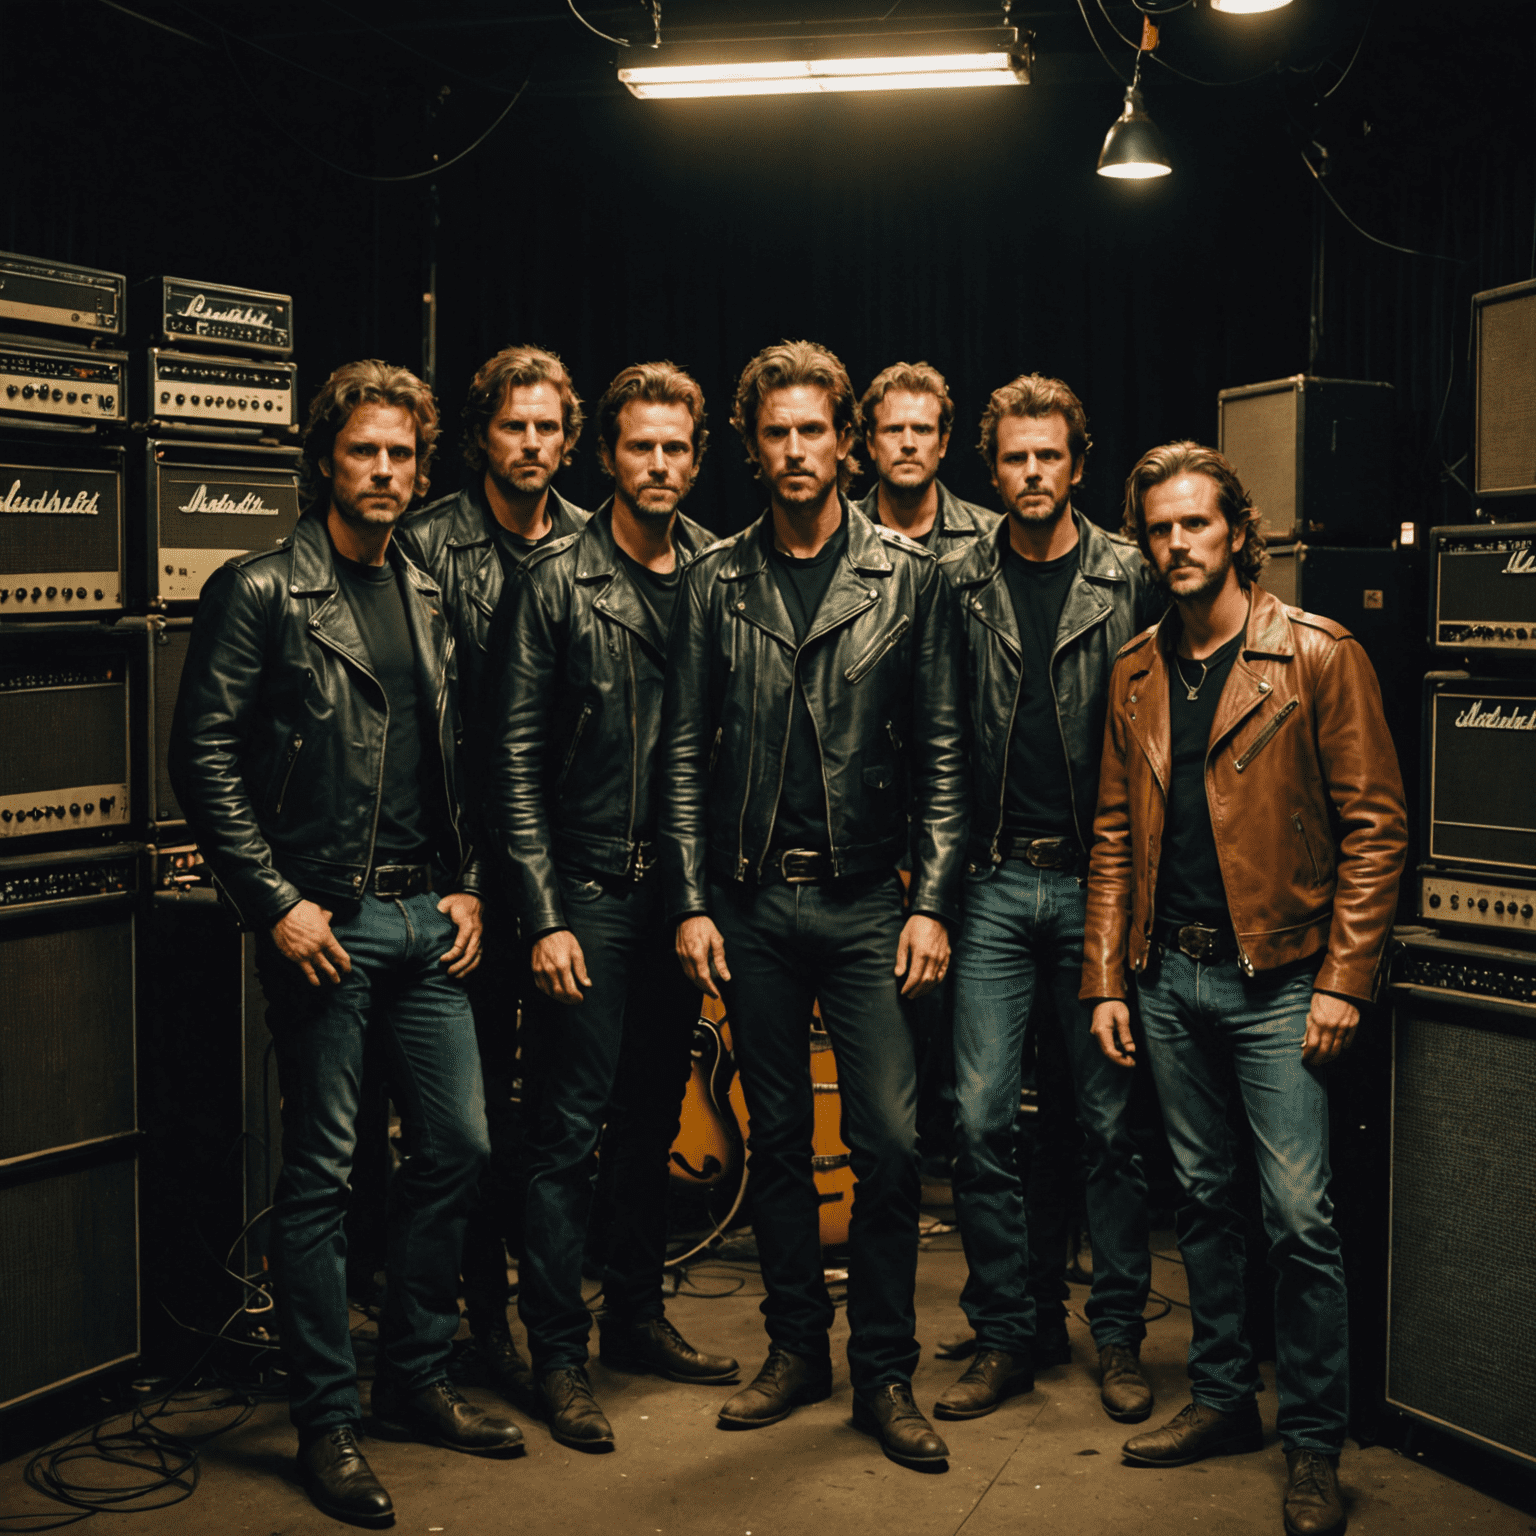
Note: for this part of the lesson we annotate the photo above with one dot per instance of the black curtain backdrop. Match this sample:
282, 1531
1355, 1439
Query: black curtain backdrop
967, 228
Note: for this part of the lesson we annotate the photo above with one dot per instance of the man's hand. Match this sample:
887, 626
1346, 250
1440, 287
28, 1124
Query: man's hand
303, 934
922, 954
1112, 1030
559, 967
464, 910
701, 953
1331, 1024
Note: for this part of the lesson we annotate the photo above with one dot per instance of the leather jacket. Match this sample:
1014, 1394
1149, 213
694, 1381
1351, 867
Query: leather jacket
451, 540
1110, 599
880, 672
1306, 804
277, 745
569, 762
959, 521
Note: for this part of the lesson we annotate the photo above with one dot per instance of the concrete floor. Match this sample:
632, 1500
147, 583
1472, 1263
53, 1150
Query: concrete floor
1047, 1463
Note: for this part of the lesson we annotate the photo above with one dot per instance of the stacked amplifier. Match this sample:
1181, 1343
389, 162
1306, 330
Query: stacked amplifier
133, 462
1463, 1154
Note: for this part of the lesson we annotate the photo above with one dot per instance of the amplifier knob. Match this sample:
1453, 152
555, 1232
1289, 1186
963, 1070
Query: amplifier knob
165, 397
47, 812
195, 400
85, 399
219, 401
21, 594
90, 805
181, 399
266, 405
80, 593
5, 815
58, 394
242, 405
51, 593
70, 397
1482, 905
1525, 911
26, 391
1520, 633
99, 594
37, 592
11, 391
74, 810
1498, 907
1455, 901
69, 592
1434, 901
106, 402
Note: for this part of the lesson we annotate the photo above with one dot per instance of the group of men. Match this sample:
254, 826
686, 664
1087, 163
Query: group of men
665, 763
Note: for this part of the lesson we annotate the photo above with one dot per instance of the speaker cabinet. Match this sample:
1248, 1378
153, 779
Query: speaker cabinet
1461, 1308
1504, 427
158, 652
1315, 455
68, 1124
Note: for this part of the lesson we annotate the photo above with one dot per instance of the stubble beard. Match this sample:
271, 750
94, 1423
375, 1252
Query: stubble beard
1041, 519
353, 512
1213, 580
651, 513
522, 479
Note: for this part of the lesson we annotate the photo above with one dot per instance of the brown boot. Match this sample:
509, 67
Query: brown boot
991, 1377
1194, 1433
1122, 1388
1312, 1503
889, 1414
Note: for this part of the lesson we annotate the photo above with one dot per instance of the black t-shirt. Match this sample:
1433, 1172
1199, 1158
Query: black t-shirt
658, 591
1037, 800
1189, 884
405, 828
801, 818
925, 539
512, 548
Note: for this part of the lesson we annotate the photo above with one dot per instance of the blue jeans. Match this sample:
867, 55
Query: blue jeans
788, 947
1023, 929
398, 987
1204, 1025
621, 1055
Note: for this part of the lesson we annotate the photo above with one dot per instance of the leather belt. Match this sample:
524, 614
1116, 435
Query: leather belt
1200, 942
796, 866
1042, 852
393, 882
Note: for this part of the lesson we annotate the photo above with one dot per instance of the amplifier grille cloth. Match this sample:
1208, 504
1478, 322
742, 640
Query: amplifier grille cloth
69, 1254
1258, 435
168, 656
1506, 395
1462, 1314
53, 737
66, 1030
67, 542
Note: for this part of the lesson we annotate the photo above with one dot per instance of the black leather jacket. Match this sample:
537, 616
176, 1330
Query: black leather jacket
1111, 598
569, 761
959, 521
881, 673
277, 746
451, 541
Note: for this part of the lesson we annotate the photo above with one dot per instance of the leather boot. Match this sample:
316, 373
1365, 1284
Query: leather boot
509, 1373
440, 1415
1312, 1503
905, 1436
339, 1480
1052, 1346
655, 1345
990, 1378
1194, 1433
1123, 1389
574, 1417
784, 1382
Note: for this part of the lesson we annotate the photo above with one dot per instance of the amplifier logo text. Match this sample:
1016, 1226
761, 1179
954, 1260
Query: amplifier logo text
225, 505
1521, 562
81, 504
1475, 717
236, 314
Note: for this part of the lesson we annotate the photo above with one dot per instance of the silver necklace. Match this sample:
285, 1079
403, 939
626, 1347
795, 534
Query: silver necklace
1191, 693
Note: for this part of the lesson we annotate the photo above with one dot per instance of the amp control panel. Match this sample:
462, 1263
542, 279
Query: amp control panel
1427, 963
33, 882
1477, 903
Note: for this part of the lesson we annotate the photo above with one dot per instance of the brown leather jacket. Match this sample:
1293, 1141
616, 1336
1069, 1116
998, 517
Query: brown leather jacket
1306, 803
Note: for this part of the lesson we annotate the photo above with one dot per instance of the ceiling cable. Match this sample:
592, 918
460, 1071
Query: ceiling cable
623, 42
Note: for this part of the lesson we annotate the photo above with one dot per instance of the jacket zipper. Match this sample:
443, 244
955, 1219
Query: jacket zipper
714, 749
878, 649
773, 816
378, 788
890, 730
1301, 832
634, 749
293, 757
1262, 739
570, 751
1002, 783
746, 792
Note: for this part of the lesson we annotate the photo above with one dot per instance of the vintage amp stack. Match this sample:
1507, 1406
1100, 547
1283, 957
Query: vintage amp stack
127, 476
1463, 985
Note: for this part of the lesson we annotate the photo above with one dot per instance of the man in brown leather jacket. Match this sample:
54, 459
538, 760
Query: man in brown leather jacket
1247, 849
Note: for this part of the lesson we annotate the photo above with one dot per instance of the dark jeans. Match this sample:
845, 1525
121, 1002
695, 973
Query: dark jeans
787, 947
1201, 1022
1024, 929
496, 1223
621, 1054
398, 988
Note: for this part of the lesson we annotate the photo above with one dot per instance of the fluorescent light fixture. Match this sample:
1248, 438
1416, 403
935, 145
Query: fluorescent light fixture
805, 66
1247, 7
1133, 148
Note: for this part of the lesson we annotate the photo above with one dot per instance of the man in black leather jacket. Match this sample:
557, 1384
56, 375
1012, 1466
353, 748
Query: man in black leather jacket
521, 423
314, 751
573, 713
813, 695
1047, 601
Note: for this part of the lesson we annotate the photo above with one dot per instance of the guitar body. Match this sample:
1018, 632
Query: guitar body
708, 1151
829, 1155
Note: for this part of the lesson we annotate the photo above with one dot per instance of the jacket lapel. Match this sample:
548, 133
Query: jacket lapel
599, 564
986, 593
312, 573
849, 592
1267, 636
757, 599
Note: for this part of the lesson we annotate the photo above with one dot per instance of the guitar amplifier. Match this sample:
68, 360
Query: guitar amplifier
38, 292
1484, 587
68, 1119
61, 531
1463, 1161
157, 652
204, 505
56, 383
214, 317
1504, 412
216, 396
63, 735
1479, 808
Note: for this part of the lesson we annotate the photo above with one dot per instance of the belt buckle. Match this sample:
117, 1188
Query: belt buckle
1044, 852
401, 882
639, 865
1199, 942
809, 877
